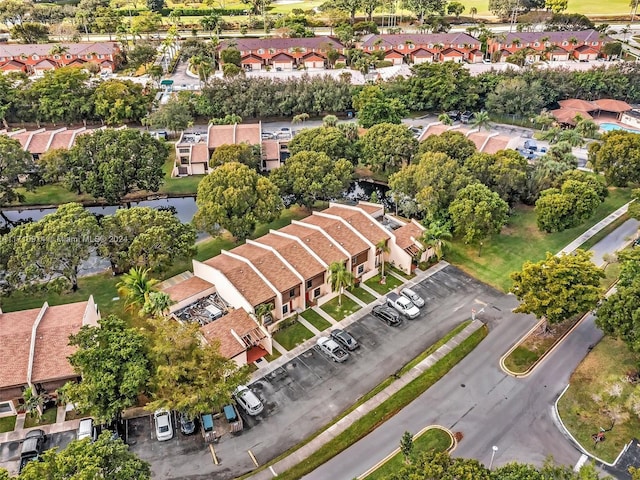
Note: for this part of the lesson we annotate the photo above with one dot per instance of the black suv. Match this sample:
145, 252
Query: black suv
32, 447
454, 115
466, 117
387, 315
344, 339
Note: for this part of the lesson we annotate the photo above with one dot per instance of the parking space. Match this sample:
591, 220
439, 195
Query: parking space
10, 451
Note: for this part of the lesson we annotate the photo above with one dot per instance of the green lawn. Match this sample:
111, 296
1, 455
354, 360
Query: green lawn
434, 439
293, 335
48, 417
340, 311
276, 354
361, 294
7, 424
521, 240
391, 283
315, 319
597, 393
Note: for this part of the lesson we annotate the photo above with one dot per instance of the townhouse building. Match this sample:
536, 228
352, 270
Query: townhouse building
41, 57
583, 45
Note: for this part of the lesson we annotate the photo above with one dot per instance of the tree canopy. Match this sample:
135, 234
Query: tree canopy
111, 163
121, 101
311, 176
188, 375
567, 207
327, 139
374, 107
453, 144
477, 212
239, 152
387, 147
235, 198
112, 361
14, 161
558, 287
618, 157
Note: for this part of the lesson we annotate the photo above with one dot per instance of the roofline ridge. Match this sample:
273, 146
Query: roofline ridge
301, 243
327, 236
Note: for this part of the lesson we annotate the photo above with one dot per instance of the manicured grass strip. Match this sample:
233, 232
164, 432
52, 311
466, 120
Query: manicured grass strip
340, 311
362, 294
275, 355
598, 390
293, 335
315, 319
388, 266
391, 283
434, 347
521, 240
589, 244
7, 424
521, 359
433, 439
387, 409
48, 417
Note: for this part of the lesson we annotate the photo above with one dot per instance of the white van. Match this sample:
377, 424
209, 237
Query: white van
86, 429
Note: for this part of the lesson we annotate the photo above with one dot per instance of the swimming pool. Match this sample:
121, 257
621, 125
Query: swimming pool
607, 127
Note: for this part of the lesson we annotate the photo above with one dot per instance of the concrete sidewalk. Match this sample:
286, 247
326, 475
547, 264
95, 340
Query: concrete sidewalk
19, 432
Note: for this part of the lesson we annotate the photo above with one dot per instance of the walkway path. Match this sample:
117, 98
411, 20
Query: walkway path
310, 327
371, 404
324, 315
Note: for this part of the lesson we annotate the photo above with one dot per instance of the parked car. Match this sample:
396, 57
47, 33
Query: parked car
403, 305
486, 61
164, 426
32, 447
345, 339
267, 136
86, 429
331, 349
454, 115
416, 299
186, 423
466, 117
248, 400
531, 145
387, 315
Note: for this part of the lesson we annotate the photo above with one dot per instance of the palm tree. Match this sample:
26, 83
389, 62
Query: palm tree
587, 128
33, 402
262, 311
329, 121
339, 279
381, 249
156, 72
445, 119
157, 304
300, 118
572, 137
551, 135
211, 23
135, 288
205, 68
473, 11
544, 120
60, 50
482, 120
435, 237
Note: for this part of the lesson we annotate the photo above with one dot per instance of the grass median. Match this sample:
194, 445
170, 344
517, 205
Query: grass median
381, 414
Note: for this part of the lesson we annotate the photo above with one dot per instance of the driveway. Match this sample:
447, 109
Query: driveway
10, 451
309, 391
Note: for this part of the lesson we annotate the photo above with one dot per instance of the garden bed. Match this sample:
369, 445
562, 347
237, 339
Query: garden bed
48, 417
315, 319
8, 424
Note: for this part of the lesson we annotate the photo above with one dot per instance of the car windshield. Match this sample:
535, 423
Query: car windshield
164, 428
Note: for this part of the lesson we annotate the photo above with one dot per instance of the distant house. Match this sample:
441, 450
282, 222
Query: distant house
460, 45
555, 46
41, 57
34, 349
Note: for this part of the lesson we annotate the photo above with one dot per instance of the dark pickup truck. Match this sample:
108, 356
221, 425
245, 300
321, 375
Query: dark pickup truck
32, 447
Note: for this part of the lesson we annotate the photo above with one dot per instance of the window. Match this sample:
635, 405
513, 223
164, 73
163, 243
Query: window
261, 51
67, 56
371, 49
316, 292
56, 57
100, 56
595, 44
536, 44
184, 150
430, 45
89, 57
35, 57
272, 50
360, 269
309, 284
292, 293
411, 47
285, 309
6, 407
400, 47
565, 43
383, 48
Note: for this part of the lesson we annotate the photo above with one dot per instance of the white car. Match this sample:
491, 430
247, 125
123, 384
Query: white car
86, 429
248, 400
164, 427
416, 299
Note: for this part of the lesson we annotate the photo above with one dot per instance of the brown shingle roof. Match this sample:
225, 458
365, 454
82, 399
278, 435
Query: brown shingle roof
340, 233
495, 144
317, 43
200, 153
271, 150
568, 115
220, 330
15, 342
233, 134
532, 37
360, 222
62, 139
404, 234
295, 254
278, 274
39, 142
52, 342
434, 130
321, 245
242, 276
187, 288
250, 133
394, 40
23, 138
370, 209
478, 138
578, 104
610, 105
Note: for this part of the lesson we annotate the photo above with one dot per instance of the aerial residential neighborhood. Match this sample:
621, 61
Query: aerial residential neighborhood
307, 239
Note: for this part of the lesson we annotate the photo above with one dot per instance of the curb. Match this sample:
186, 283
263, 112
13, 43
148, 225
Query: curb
451, 448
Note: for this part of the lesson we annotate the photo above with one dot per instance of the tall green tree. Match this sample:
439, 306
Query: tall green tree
329, 140
311, 176
110, 164
135, 287
121, 101
504, 172
14, 161
189, 375
239, 152
567, 207
30, 32
48, 253
230, 55
145, 237
477, 213
112, 361
105, 458
618, 157
387, 147
141, 54
175, 116
155, 5
339, 279
516, 97
375, 107
422, 8
235, 198
558, 287
453, 144
436, 236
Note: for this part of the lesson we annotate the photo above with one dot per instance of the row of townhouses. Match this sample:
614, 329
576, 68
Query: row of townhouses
292, 53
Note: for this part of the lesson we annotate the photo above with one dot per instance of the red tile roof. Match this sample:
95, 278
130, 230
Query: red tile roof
295, 254
610, 105
250, 133
187, 288
43, 49
39, 142
394, 40
553, 37
15, 342
252, 44
243, 277
268, 263
496, 143
404, 234
578, 104
200, 153
317, 242
220, 331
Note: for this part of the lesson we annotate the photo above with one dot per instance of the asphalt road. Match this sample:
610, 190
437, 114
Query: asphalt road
486, 405
620, 236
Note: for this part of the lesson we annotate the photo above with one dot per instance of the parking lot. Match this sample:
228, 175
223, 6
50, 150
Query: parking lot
10, 452
309, 391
